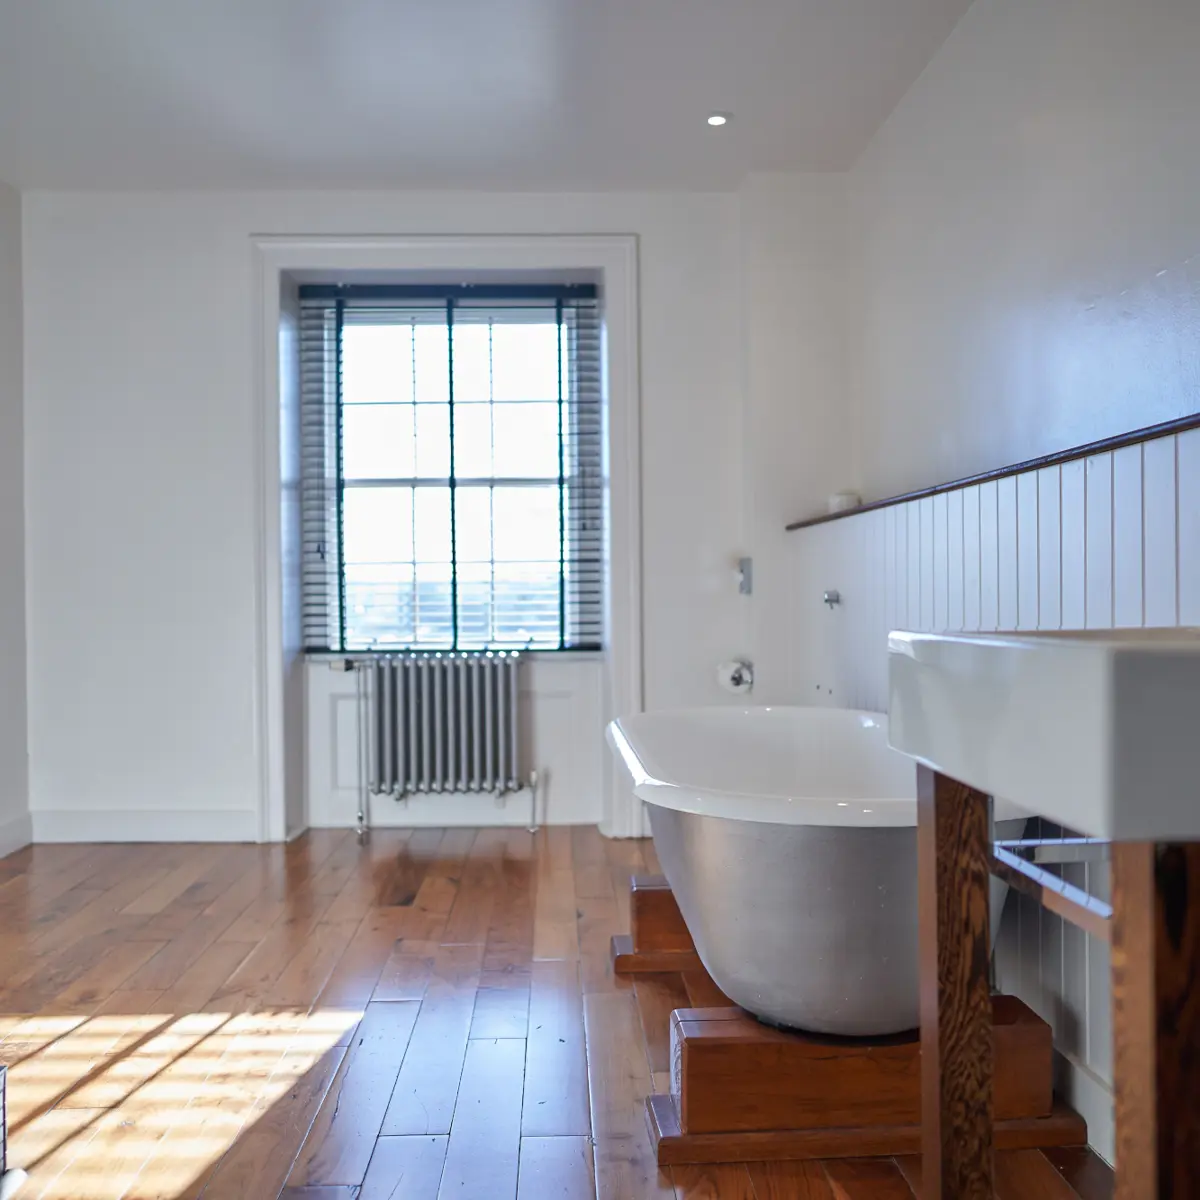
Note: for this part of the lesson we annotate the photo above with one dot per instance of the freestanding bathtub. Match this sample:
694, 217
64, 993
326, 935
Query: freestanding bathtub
788, 836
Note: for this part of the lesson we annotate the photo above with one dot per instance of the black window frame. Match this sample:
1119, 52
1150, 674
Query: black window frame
580, 480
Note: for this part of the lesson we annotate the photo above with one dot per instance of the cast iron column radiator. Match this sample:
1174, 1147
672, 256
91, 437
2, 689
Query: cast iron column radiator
447, 722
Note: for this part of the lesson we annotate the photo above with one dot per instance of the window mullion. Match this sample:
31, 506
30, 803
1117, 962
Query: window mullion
339, 322
453, 481
562, 489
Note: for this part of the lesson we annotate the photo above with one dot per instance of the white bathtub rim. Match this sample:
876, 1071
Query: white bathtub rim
867, 812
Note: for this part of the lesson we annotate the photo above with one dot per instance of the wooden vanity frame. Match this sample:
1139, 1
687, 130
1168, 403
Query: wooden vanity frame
1154, 928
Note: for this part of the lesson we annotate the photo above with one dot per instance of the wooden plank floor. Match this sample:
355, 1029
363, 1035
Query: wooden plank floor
430, 1015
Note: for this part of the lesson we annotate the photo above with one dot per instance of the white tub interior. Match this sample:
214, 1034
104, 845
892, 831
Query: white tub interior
785, 765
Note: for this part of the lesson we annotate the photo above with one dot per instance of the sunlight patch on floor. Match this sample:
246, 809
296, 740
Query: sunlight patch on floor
147, 1104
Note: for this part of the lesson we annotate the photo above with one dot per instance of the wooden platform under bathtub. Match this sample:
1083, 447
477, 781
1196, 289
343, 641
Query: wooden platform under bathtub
729, 1089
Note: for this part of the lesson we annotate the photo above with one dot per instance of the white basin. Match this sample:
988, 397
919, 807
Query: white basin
1097, 730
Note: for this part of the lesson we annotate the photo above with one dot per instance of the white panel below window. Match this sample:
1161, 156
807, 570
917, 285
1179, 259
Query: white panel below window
562, 713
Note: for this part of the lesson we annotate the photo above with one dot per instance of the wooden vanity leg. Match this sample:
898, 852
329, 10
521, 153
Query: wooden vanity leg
1156, 1019
953, 843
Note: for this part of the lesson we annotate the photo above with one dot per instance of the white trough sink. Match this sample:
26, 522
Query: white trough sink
1096, 730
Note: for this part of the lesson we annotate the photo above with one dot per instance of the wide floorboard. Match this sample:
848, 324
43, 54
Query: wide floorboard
431, 1014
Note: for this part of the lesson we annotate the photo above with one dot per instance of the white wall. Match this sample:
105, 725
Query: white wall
141, 506
1030, 239
14, 778
797, 426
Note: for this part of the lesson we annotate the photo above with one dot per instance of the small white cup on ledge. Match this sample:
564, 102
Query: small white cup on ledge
839, 502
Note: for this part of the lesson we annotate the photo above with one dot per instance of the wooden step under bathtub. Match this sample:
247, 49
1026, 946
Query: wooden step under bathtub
659, 939
742, 1091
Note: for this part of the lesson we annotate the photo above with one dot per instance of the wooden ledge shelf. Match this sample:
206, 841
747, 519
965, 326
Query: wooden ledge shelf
1104, 446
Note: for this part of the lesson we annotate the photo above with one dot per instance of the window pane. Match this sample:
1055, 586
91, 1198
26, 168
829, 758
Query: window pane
525, 605
433, 441
431, 354
473, 515
377, 441
526, 440
378, 524
472, 441
508, 605
431, 517
474, 605
376, 364
525, 520
402, 563
525, 362
434, 626
472, 364
379, 606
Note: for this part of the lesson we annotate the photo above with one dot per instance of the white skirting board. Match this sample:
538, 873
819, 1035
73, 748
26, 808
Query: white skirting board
188, 825
15, 834
433, 809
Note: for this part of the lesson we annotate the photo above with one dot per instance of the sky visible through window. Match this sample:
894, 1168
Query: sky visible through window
400, 544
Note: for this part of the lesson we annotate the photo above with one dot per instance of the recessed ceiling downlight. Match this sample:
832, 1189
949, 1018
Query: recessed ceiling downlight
719, 118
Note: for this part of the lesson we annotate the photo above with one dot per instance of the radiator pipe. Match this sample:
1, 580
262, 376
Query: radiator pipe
533, 798
361, 680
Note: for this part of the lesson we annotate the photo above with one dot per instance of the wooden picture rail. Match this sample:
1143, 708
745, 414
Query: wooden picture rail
1104, 446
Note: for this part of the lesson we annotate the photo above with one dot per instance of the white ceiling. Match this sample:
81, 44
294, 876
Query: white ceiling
526, 94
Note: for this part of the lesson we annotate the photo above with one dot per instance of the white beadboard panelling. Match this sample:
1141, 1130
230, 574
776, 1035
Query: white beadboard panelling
1099, 542
875, 673
891, 557
1073, 540
1033, 986
971, 558
989, 556
914, 564
1128, 564
1008, 577
1050, 973
1036, 549
1071, 1030
955, 603
1099, 957
1188, 512
941, 564
928, 570
1027, 551
1159, 545
1008, 941
1049, 558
